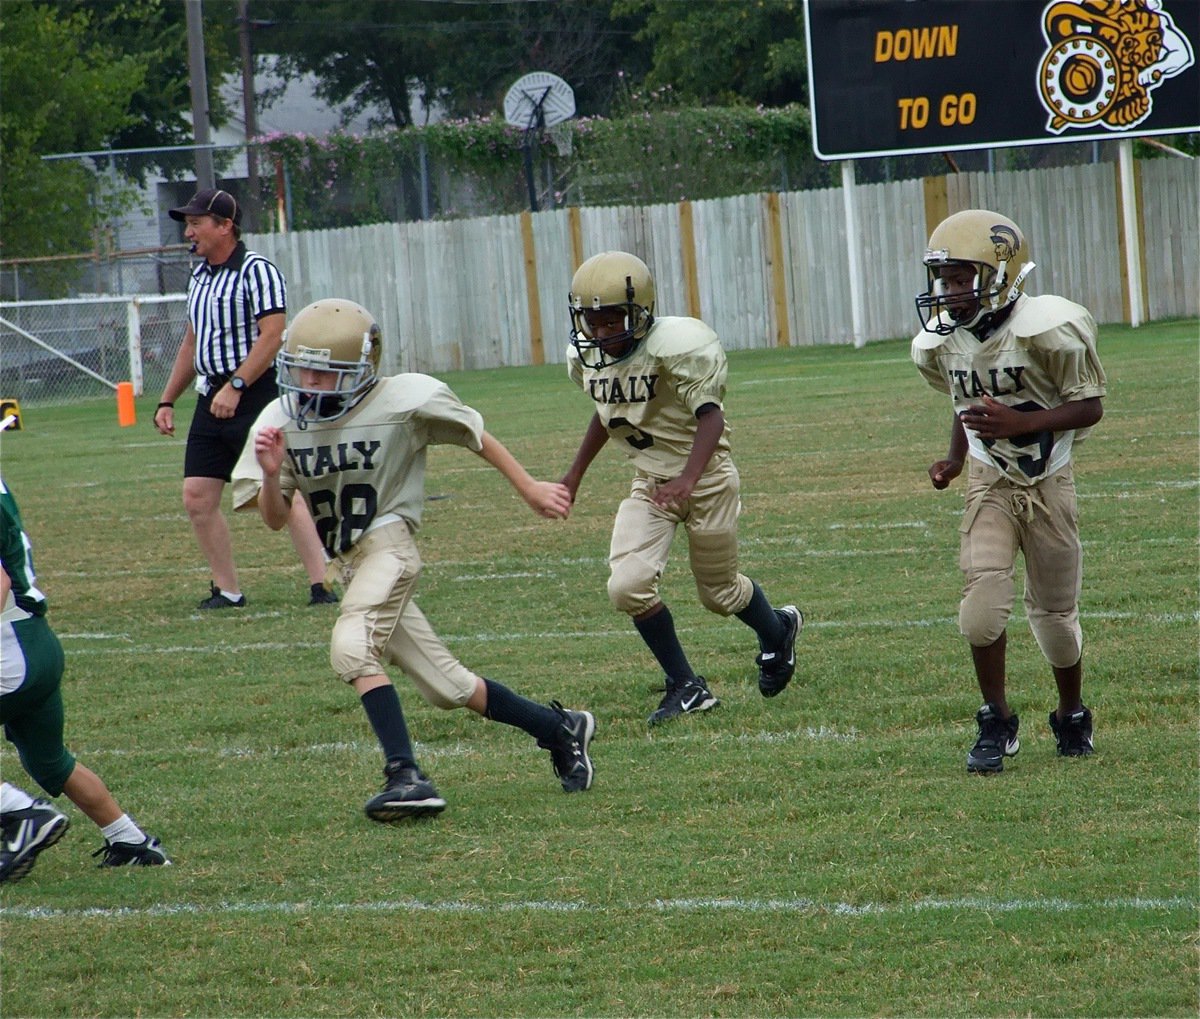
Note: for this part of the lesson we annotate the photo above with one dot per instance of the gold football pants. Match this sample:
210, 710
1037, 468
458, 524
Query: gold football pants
642, 535
379, 623
1042, 522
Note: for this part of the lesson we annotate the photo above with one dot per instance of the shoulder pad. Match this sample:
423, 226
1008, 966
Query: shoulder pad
924, 342
409, 390
1036, 315
672, 336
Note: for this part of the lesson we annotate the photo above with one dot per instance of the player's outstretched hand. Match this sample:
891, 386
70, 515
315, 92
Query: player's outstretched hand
943, 472
549, 499
269, 449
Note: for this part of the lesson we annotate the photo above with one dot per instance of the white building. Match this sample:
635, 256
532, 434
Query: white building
148, 227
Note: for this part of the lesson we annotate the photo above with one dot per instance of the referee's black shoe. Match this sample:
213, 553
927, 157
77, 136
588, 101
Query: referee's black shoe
319, 594
216, 600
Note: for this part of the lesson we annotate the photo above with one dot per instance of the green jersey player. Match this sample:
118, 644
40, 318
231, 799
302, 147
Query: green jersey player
31, 710
1026, 386
658, 386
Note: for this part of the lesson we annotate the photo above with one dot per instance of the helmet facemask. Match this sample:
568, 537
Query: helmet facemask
612, 284
307, 405
335, 337
600, 352
989, 247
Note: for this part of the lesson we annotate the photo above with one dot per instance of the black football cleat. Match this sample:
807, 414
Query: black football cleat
683, 697
26, 833
997, 740
407, 793
776, 668
569, 751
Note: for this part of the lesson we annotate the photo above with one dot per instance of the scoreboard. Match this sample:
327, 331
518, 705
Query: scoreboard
891, 77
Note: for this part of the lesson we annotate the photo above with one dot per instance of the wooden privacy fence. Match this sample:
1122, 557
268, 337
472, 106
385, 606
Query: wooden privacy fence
763, 270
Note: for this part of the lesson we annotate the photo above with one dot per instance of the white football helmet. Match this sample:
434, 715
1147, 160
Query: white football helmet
992, 245
611, 280
330, 335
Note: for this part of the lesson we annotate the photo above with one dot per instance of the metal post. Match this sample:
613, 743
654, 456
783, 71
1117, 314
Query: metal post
251, 200
198, 78
423, 164
527, 146
116, 226
1129, 227
133, 332
856, 276
281, 223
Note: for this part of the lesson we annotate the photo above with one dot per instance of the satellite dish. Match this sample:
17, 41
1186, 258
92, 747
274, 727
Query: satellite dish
539, 99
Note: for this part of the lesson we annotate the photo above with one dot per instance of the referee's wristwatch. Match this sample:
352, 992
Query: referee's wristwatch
238, 383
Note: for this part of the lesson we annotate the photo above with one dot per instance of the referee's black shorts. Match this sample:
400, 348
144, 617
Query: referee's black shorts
214, 444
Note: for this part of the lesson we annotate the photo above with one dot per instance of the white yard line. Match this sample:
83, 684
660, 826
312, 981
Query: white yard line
1158, 618
676, 906
241, 752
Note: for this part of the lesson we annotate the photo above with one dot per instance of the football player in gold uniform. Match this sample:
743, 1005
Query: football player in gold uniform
658, 386
1026, 385
352, 444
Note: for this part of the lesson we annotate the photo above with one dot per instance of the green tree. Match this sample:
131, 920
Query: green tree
154, 34
582, 42
725, 52
63, 91
363, 54
83, 76
460, 56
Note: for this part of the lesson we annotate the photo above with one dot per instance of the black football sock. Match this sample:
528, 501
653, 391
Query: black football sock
503, 705
763, 620
658, 631
382, 706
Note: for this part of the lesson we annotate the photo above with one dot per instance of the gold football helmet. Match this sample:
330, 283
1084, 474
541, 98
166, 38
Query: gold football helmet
335, 336
612, 281
991, 244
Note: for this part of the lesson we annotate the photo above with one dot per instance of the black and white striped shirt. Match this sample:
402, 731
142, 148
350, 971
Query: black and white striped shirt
225, 303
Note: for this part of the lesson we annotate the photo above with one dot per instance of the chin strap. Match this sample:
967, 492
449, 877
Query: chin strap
990, 321
302, 411
1015, 290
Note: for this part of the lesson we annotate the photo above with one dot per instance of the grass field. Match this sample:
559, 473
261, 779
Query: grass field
824, 853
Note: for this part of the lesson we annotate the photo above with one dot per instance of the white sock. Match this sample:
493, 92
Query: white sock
231, 595
12, 798
123, 830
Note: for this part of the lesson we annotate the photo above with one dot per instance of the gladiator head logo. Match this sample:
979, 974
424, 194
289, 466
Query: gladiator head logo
1006, 242
1104, 58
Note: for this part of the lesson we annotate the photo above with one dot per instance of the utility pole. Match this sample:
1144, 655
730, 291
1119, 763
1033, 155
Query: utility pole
251, 199
198, 78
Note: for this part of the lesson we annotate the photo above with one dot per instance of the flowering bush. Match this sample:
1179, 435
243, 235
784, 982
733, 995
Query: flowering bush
656, 152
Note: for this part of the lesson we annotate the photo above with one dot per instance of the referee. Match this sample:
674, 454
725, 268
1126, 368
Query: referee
237, 308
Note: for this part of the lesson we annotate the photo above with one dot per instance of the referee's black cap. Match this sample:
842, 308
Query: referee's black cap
210, 202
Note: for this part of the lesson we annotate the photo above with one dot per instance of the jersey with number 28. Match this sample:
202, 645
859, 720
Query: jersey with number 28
367, 467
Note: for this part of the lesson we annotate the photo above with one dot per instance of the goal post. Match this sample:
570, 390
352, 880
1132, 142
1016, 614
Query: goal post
61, 351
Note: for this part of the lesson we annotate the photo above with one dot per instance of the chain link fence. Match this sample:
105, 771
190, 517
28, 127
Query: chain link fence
80, 348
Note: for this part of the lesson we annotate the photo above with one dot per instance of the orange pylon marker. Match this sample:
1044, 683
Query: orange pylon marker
126, 413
